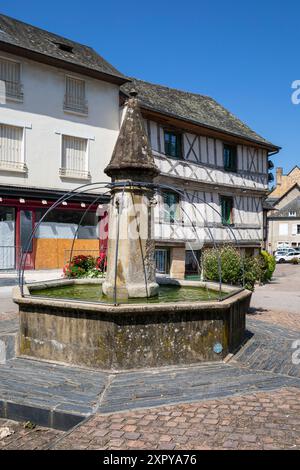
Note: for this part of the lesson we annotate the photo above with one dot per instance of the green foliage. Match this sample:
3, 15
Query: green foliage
237, 269
269, 265
294, 261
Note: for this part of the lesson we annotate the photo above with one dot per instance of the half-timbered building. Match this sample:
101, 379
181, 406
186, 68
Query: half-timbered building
214, 170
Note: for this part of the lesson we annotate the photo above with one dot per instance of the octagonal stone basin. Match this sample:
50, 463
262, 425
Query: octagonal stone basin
133, 335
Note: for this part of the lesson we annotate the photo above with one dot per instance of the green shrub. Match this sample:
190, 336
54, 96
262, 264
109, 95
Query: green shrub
237, 269
269, 265
294, 261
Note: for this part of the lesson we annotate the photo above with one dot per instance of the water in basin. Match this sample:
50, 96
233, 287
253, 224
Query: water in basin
167, 293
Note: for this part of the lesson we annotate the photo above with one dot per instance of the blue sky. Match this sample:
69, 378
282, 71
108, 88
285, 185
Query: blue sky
243, 54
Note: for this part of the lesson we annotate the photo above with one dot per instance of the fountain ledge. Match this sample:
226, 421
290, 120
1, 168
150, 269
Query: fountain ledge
128, 336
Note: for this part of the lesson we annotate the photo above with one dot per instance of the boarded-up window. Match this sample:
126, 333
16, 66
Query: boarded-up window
10, 75
74, 153
10, 144
75, 95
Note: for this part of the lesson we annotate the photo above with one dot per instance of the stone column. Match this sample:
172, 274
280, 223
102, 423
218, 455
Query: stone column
131, 247
131, 264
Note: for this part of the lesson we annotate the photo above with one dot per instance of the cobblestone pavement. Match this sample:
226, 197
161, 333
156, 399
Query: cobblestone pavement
285, 319
253, 402
256, 421
23, 438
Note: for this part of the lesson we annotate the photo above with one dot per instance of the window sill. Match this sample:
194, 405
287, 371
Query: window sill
14, 99
76, 112
228, 225
173, 158
14, 167
74, 174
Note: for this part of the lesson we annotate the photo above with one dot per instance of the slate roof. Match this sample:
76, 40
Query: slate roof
132, 153
197, 109
293, 206
43, 44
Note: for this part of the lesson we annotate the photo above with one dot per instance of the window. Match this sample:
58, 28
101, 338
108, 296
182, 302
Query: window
230, 157
11, 148
192, 263
292, 214
227, 210
162, 256
75, 96
66, 224
170, 207
10, 74
7, 238
74, 157
298, 229
172, 144
283, 229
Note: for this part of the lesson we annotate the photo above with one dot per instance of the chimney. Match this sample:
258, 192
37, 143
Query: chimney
279, 172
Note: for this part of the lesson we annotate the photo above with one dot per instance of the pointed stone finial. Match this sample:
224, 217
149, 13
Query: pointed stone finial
132, 157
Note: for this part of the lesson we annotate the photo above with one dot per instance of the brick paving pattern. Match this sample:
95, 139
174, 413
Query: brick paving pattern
26, 439
287, 320
256, 421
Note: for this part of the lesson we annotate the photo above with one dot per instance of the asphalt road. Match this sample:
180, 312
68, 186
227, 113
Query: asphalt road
282, 294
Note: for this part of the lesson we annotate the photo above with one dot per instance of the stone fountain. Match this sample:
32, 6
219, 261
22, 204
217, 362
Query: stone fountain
131, 248
132, 327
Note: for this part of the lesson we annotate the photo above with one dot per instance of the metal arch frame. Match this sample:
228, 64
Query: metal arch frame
228, 227
81, 220
100, 185
62, 199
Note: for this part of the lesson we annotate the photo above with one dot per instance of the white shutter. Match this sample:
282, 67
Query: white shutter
74, 154
75, 95
294, 229
10, 144
283, 229
10, 73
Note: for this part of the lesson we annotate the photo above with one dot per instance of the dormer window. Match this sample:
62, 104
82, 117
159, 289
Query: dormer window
230, 157
75, 100
10, 75
64, 47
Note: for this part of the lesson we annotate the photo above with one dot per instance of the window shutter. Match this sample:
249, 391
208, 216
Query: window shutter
75, 95
10, 74
74, 153
294, 229
11, 143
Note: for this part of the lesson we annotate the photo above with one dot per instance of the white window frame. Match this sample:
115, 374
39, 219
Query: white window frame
73, 174
19, 167
12, 98
74, 111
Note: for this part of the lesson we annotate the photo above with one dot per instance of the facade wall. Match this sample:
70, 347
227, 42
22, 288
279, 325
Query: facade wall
283, 232
203, 161
44, 121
